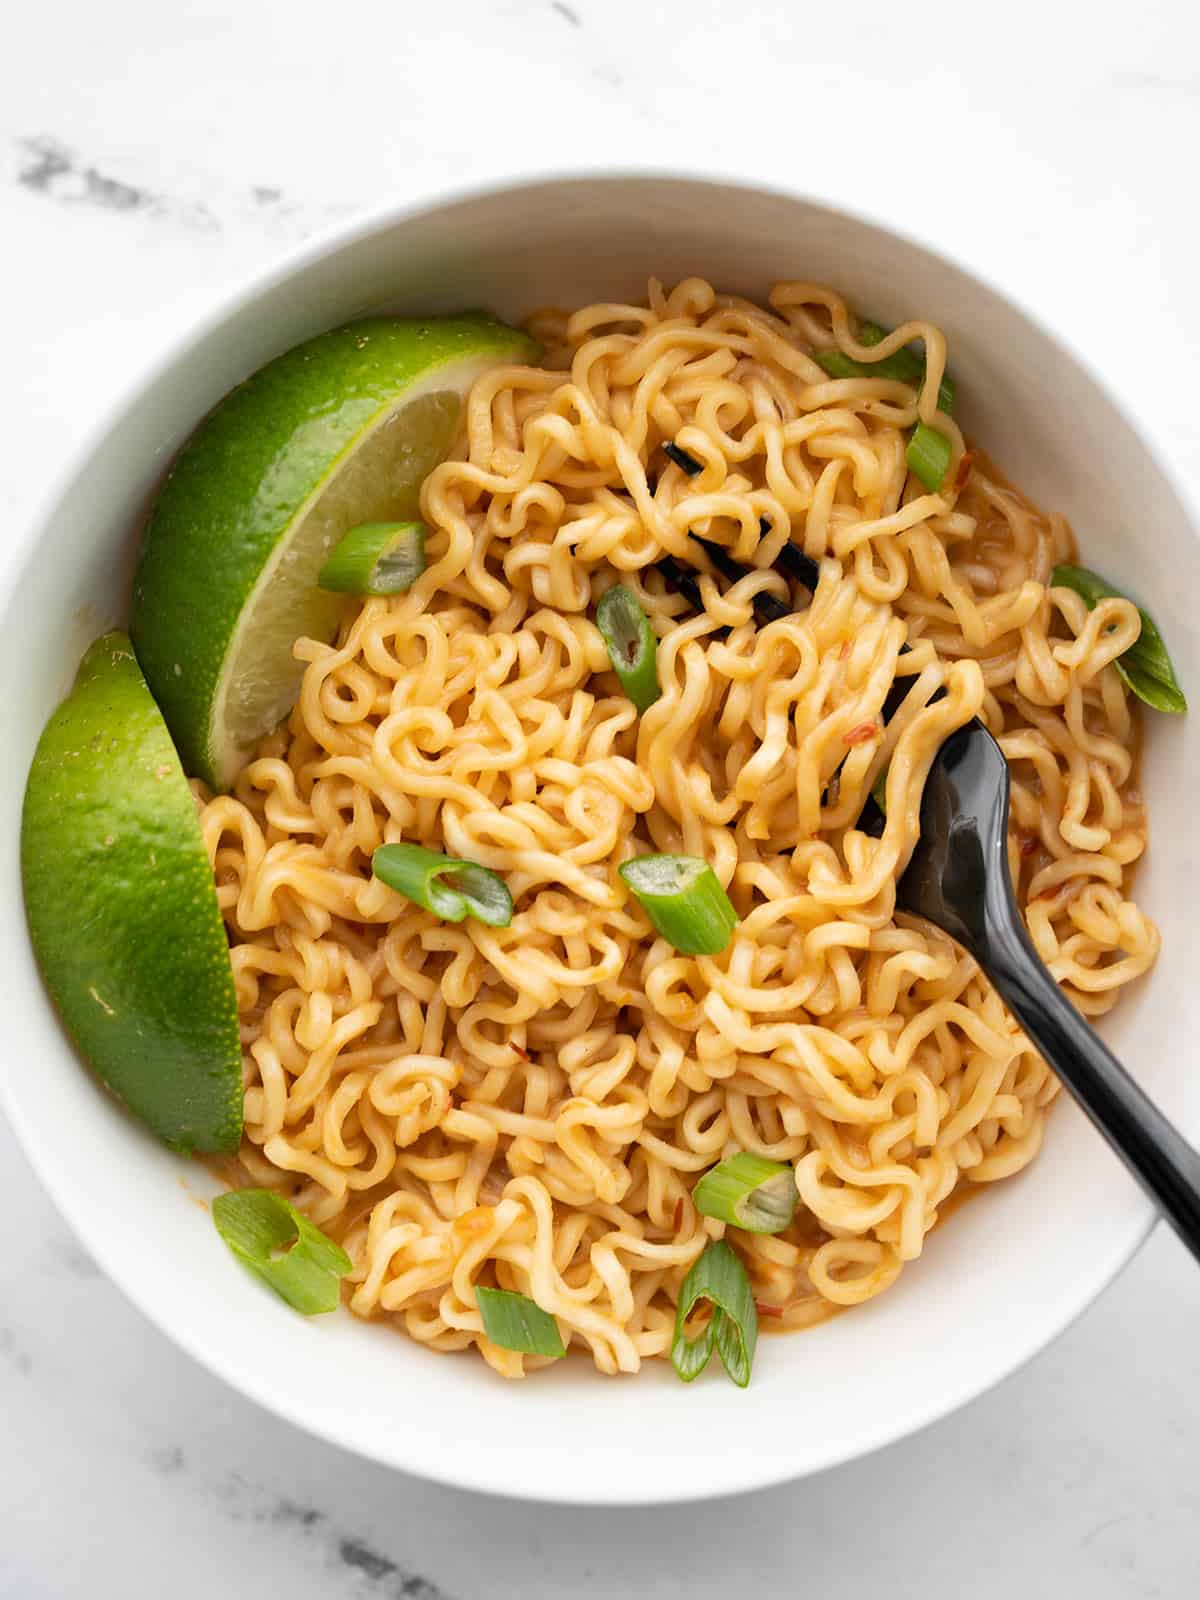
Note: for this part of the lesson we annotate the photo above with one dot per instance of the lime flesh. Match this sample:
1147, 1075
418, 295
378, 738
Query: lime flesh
383, 474
122, 909
339, 431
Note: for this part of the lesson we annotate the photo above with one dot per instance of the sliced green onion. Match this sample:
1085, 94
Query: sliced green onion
928, 456
632, 647
684, 900
719, 1277
748, 1192
1145, 666
1152, 691
912, 364
470, 890
376, 558
515, 1322
283, 1247
879, 791
839, 365
903, 365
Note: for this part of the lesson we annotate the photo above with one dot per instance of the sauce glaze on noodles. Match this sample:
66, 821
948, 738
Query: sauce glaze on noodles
530, 1106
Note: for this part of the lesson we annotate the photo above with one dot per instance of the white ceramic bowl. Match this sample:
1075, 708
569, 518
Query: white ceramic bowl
993, 1286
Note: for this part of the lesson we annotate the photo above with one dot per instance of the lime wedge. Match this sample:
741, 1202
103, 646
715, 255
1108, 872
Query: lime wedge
341, 430
122, 910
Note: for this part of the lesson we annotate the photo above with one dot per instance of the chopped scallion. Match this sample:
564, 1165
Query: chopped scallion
469, 890
879, 791
839, 365
748, 1192
515, 1322
872, 333
684, 900
376, 558
719, 1277
632, 647
928, 456
685, 462
1145, 666
903, 365
283, 1247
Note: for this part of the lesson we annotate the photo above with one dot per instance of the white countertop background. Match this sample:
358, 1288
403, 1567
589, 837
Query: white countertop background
152, 155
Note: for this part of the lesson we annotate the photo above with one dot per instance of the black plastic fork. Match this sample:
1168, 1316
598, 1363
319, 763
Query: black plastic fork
958, 880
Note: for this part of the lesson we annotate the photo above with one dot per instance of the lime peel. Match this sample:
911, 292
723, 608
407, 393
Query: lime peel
339, 431
123, 911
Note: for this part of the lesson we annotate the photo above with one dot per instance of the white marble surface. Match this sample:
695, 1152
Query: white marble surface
151, 155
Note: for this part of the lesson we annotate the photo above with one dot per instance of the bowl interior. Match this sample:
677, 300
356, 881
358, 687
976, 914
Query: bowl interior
1008, 1272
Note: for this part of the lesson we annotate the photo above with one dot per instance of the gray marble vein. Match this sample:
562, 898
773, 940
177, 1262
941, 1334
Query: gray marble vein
53, 170
15, 1353
356, 1562
68, 1254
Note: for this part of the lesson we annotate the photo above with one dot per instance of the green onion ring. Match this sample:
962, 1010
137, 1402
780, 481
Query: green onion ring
515, 1322
717, 1276
684, 900
376, 558
748, 1192
632, 647
286, 1250
471, 891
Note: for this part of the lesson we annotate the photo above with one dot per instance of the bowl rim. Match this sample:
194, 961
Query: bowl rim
470, 1474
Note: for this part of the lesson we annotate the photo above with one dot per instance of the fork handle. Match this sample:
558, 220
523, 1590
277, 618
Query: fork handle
1167, 1167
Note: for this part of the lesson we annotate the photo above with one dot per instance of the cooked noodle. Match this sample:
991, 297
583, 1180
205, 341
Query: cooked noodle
530, 1106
